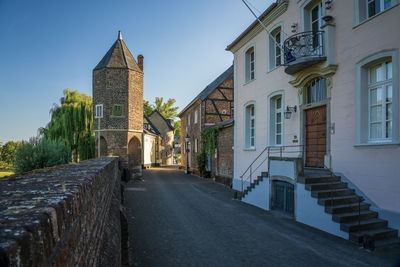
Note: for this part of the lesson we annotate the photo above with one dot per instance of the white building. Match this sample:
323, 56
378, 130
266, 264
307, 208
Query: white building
333, 68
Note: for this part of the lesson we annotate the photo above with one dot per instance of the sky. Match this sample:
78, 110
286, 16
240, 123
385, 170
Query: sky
47, 46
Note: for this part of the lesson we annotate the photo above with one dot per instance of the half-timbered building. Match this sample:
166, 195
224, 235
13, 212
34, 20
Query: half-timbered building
211, 106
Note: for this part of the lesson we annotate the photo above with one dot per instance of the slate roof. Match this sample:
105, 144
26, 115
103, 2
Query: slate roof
118, 56
209, 88
222, 123
153, 128
166, 121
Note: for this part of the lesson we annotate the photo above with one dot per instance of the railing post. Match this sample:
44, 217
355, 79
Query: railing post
250, 173
268, 162
280, 152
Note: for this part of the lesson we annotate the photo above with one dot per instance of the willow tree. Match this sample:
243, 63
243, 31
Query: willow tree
72, 122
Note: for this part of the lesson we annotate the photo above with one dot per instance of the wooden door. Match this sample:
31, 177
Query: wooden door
315, 136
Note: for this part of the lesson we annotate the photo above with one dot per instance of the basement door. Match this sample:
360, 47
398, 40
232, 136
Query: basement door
283, 197
315, 136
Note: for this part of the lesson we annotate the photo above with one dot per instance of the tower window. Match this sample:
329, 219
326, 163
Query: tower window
99, 111
117, 111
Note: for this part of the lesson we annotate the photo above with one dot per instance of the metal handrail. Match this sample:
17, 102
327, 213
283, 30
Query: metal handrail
274, 150
304, 44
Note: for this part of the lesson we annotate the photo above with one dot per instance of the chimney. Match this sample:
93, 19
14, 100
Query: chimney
119, 35
140, 61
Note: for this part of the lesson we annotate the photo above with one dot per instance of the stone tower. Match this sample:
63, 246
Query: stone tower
118, 88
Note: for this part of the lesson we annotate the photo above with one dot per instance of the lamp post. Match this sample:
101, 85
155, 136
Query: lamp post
187, 153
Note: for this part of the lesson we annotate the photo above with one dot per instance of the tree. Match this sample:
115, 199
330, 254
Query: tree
177, 126
147, 108
72, 123
166, 109
8, 151
41, 153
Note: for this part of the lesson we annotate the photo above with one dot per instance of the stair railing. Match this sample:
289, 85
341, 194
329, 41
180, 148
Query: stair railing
251, 169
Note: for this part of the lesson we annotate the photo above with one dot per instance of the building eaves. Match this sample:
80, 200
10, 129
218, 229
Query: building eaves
269, 15
224, 123
209, 88
166, 121
156, 131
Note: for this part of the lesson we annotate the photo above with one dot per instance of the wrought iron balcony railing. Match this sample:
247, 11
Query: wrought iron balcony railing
303, 49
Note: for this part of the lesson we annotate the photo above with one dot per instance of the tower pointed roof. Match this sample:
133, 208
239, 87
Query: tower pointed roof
118, 56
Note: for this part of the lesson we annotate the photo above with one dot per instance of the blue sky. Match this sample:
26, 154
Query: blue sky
46, 46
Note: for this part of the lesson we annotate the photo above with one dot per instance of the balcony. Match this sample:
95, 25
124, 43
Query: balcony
303, 50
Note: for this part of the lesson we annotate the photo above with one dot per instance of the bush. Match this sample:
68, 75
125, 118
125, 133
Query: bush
202, 163
37, 154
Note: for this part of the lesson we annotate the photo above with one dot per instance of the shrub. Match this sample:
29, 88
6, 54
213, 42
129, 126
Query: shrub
37, 154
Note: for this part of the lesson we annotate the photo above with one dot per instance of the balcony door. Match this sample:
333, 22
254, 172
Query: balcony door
316, 23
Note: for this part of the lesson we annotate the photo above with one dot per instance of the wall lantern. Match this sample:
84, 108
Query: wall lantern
328, 4
187, 138
288, 112
294, 27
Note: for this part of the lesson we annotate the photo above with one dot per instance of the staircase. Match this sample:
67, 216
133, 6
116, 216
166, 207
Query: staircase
350, 211
253, 185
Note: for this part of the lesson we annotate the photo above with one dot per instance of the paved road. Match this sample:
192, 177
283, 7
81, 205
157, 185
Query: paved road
182, 220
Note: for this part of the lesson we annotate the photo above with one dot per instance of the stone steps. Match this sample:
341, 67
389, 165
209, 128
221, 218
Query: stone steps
330, 193
353, 216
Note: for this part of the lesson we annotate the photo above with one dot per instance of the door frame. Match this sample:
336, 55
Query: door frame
303, 108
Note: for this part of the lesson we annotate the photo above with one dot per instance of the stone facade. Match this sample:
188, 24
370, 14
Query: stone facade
118, 86
223, 161
73, 217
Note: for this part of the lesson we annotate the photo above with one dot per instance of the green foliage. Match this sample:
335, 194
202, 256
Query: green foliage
8, 150
168, 110
208, 146
147, 108
202, 163
209, 140
72, 122
177, 126
38, 154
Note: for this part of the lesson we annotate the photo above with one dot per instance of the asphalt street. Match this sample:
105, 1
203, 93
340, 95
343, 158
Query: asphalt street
177, 219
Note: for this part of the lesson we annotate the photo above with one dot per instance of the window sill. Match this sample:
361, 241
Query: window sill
249, 149
274, 68
374, 16
246, 83
377, 145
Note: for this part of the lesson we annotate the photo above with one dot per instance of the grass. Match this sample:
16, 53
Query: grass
4, 173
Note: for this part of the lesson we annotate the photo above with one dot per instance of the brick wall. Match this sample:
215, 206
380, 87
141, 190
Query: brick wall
62, 216
224, 160
193, 130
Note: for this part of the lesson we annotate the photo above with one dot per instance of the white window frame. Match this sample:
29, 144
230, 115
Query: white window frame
362, 133
361, 10
99, 111
249, 125
272, 46
272, 118
195, 117
382, 85
189, 119
249, 64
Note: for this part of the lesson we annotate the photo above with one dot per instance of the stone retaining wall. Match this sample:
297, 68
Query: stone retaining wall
64, 216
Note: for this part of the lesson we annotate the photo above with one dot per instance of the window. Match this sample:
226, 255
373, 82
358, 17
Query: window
380, 94
377, 99
275, 51
376, 6
366, 9
117, 111
250, 126
249, 64
99, 111
316, 91
196, 146
195, 117
189, 119
276, 119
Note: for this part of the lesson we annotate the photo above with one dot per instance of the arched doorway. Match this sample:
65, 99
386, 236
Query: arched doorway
134, 152
103, 147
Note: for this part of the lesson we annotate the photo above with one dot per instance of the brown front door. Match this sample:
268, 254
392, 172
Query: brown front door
315, 136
